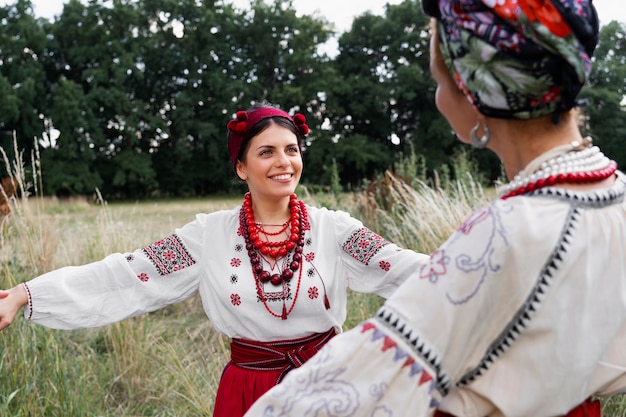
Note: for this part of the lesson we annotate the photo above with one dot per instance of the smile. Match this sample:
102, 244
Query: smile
282, 177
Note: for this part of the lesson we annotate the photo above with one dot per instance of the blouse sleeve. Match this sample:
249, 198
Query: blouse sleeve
374, 264
362, 372
121, 285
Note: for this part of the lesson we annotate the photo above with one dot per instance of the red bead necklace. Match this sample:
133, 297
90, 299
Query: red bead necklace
285, 312
292, 247
273, 249
283, 229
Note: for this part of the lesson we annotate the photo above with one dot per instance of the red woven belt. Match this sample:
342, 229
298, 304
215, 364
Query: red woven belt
283, 355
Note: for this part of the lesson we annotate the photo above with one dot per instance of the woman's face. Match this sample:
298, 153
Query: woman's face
449, 99
272, 164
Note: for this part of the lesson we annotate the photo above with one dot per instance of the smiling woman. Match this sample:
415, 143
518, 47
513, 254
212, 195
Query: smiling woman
273, 273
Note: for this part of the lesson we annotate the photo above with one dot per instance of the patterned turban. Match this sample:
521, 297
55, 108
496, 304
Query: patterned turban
517, 59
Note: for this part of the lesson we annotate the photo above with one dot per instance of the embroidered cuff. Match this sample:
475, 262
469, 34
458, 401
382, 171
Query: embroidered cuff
28, 308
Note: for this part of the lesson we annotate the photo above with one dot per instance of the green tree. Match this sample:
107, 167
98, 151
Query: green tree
22, 77
605, 93
190, 74
381, 102
279, 55
98, 51
67, 160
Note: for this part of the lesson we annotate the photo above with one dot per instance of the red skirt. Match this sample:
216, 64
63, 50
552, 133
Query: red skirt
589, 408
255, 367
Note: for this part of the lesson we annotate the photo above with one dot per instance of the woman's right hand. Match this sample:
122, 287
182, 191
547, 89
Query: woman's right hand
11, 302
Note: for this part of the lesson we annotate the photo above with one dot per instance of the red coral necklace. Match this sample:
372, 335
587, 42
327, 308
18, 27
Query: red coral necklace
261, 229
258, 248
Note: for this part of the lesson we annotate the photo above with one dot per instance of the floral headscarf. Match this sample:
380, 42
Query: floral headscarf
517, 59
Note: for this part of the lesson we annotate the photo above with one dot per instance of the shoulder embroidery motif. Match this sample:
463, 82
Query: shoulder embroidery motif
168, 255
363, 244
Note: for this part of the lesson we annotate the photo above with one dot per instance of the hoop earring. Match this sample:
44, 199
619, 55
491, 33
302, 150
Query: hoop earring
480, 142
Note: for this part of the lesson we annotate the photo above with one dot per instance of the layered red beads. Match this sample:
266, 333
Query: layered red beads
257, 247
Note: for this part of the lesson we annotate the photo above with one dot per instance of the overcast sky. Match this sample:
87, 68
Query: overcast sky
342, 16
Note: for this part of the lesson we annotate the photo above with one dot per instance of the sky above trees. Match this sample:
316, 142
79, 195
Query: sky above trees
342, 16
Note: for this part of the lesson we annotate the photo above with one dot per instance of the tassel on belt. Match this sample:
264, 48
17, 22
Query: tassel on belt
280, 355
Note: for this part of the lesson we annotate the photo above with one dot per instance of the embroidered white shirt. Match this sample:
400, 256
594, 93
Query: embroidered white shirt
209, 255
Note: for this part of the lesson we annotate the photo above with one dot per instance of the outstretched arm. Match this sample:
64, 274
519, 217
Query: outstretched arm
11, 302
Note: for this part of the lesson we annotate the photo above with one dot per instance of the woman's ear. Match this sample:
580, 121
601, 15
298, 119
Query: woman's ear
240, 168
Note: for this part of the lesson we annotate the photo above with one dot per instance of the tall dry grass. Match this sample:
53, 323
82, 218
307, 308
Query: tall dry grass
162, 364
417, 215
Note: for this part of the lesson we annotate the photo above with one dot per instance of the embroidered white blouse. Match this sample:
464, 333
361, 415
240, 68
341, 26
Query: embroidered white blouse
208, 255
522, 312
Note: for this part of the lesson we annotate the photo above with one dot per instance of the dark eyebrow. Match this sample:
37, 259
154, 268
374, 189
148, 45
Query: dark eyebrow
265, 147
274, 147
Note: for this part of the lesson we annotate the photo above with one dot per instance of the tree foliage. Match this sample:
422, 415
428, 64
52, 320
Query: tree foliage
132, 97
605, 94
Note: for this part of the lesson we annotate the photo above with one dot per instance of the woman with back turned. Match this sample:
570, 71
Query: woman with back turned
522, 311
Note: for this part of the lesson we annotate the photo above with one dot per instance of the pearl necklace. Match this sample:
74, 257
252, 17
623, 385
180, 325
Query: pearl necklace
574, 163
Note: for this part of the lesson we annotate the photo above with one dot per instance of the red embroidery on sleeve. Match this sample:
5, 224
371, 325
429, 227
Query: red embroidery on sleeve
363, 244
169, 255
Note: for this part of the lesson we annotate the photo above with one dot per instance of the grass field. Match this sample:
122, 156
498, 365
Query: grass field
167, 363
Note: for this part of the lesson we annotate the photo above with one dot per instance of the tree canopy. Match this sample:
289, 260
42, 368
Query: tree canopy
132, 96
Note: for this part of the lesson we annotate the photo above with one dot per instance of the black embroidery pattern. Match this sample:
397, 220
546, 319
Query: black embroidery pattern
168, 255
532, 304
419, 346
283, 295
363, 244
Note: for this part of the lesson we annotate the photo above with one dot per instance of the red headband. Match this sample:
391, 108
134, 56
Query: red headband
243, 122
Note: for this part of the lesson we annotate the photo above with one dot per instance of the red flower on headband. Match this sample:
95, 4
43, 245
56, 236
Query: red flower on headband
240, 123
300, 122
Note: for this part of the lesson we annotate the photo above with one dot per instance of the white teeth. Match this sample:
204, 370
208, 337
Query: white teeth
282, 177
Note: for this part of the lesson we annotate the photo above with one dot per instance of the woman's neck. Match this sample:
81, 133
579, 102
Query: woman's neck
518, 142
271, 212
